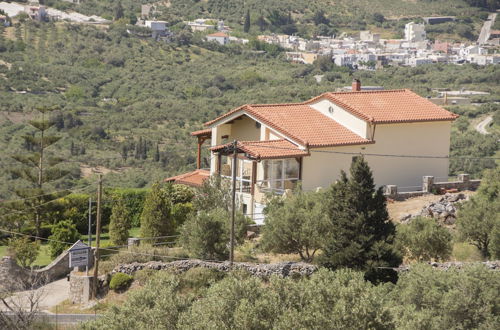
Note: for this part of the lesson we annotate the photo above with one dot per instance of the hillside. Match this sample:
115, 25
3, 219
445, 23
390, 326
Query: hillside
307, 19
128, 104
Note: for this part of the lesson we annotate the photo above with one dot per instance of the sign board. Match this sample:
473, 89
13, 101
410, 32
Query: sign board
79, 255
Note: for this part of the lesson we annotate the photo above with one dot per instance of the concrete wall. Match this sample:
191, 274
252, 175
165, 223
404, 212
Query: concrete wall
347, 119
430, 139
12, 274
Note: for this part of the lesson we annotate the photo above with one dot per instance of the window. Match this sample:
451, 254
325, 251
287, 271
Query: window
280, 175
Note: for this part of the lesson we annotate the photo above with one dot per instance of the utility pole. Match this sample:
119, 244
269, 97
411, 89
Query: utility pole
233, 209
97, 235
90, 221
90, 233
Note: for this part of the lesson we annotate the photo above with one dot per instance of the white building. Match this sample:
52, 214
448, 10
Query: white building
415, 32
159, 28
219, 37
280, 145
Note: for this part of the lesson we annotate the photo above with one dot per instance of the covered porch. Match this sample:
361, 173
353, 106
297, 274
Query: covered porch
262, 167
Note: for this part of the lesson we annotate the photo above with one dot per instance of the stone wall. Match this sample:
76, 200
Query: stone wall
283, 269
463, 182
260, 270
80, 288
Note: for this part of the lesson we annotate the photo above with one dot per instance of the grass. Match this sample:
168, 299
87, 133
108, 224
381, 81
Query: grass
465, 252
44, 258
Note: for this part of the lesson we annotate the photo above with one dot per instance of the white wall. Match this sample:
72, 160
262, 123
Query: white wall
355, 124
431, 139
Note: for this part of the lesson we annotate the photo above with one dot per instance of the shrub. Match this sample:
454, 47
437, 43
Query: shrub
206, 234
120, 282
198, 278
24, 250
424, 239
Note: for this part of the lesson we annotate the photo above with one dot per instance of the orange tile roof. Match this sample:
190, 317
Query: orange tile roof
307, 126
206, 132
272, 149
193, 179
218, 34
302, 124
390, 106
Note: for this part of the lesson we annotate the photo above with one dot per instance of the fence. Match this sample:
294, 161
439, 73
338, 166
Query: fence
429, 185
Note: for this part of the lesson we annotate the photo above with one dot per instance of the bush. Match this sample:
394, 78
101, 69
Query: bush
206, 234
24, 250
120, 282
424, 239
198, 278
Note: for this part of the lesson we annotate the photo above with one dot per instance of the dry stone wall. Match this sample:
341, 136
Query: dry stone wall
284, 269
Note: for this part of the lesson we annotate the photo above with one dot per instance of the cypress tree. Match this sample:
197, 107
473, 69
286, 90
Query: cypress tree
246, 26
120, 222
156, 156
361, 234
156, 217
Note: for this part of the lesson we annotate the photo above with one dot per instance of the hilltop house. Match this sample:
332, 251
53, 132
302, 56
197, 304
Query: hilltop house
280, 145
219, 37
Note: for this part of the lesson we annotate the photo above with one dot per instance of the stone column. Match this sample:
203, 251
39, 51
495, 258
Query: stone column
427, 184
131, 242
391, 190
464, 177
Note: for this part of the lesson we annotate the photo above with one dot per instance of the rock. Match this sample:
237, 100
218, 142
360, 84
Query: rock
403, 218
450, 220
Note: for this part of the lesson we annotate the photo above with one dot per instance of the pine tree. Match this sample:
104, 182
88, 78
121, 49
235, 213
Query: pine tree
246, 26
38, 170
156, 217
361, 233
120, 222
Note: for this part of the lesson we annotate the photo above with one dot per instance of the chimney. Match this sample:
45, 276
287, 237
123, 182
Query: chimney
356, 85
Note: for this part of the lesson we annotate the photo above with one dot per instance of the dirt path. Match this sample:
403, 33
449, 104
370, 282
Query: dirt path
481, 127
486, 29
50, 295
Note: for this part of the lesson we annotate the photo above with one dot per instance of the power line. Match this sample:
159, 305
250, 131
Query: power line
37, 206
33, 197
371, 154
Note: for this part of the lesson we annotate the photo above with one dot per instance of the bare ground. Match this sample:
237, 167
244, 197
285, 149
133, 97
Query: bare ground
414, 205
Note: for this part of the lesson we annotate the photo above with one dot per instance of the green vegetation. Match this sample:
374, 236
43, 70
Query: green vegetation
360, 234
24, 250
156, 217
120, 223
206, 234
423, 296
120, 282
296, 224
424, 239
479, 219
63, 232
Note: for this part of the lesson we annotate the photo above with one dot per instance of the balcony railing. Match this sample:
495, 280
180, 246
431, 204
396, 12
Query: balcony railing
277, 186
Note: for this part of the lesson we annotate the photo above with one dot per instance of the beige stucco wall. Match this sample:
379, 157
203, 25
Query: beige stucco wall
244, 129
355, 124
432, 139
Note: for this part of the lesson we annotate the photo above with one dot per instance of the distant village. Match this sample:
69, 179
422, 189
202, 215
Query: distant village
364, 51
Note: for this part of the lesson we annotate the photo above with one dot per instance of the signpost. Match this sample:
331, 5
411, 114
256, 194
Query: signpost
79, 255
